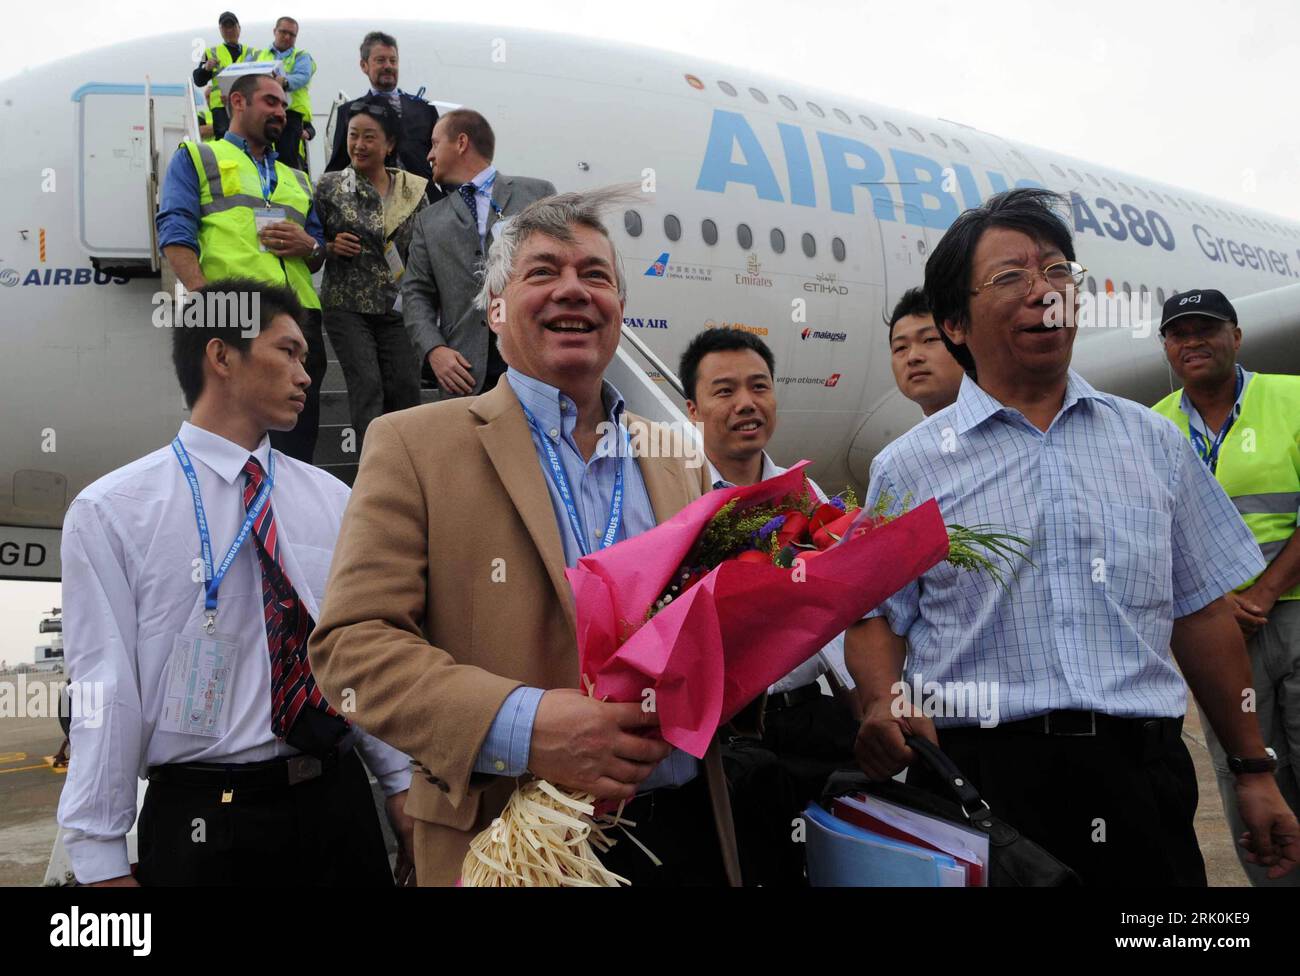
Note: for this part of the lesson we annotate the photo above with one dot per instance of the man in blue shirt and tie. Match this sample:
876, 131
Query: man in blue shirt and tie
1133, 546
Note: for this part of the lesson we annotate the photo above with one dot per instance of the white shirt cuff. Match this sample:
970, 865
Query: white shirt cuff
96, 859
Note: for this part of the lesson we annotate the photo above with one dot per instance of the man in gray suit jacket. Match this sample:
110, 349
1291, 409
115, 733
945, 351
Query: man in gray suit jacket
451, 237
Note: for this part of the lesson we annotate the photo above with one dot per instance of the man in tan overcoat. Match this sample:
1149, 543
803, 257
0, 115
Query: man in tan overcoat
448, 623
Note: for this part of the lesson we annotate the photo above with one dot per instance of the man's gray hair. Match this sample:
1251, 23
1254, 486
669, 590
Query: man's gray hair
555, 217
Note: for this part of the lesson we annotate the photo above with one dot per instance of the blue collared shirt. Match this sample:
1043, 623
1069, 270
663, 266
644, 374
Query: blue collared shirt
1196, 422
505, 750
301, 74
178, 210
483, 198
1129, 531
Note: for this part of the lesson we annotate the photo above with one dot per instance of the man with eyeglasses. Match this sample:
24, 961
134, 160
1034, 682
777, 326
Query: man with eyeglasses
1246, 428
1131, 548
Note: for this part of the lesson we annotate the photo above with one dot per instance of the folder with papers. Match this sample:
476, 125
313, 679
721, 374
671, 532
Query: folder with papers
842, 854
970, 848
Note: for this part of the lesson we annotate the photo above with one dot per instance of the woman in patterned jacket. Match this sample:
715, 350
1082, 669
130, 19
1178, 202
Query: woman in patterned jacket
368, 211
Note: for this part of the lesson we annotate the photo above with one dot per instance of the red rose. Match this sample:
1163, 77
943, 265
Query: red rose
825, 514
796, 524
754, 556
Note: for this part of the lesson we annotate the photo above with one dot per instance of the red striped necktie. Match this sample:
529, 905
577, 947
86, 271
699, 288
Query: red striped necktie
287, 621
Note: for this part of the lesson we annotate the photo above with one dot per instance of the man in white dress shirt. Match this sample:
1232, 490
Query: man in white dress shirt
189, 582
728, 376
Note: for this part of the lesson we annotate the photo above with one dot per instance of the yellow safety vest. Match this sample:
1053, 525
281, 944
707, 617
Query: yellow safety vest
222, 54
230, 192
299, 99
1259, 460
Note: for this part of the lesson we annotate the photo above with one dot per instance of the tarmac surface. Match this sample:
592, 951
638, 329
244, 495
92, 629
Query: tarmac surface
30, 786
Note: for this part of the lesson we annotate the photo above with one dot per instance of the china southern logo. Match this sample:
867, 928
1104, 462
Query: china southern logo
657, 269
818, 334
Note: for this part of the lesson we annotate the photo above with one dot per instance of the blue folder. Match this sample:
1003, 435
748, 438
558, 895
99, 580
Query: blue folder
844, 855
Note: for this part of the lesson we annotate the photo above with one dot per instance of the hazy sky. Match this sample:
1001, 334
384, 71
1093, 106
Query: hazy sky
1193, 94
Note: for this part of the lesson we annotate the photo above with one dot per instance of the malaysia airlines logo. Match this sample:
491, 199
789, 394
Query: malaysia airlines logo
810, 333
657, 269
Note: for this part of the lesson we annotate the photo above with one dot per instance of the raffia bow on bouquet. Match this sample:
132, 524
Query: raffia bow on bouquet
697, 617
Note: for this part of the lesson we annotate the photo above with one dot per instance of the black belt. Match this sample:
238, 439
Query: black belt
272, 774
1153, 735
781, 700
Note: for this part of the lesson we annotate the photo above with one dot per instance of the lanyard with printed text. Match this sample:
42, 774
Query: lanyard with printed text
212, 579
566, 494
1209, 453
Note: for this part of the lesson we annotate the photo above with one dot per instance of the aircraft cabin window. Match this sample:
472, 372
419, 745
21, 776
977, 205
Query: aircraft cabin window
868, 123
1144, 291
916, 135
837, 248
1160, 297
788, 103
758, 96
1187, 205
778, 240
1124, 186
1092, 179
709, 231
1092, 285
728, 88
744, 236
1156, 197
893, 129
672, 228
1128, 290
1058, 171
1076, 177
938, 139
1109, 184
809, 245
816, 110
1141, 192
842, 115
960, 145
632, 223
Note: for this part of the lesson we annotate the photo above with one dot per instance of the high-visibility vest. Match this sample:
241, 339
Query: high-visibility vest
1259, 460
299, 99
222, 54
230, 192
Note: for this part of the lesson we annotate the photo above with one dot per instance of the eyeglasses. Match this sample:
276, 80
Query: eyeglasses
379, 110
1019, 282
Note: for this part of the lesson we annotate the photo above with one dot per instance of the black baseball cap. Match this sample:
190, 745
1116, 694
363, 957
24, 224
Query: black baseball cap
227, 18
1209, 302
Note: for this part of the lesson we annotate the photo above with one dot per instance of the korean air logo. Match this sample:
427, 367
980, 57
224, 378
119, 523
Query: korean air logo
657, 269
8, 277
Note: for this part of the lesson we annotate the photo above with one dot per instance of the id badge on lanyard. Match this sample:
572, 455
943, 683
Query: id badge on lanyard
200, 671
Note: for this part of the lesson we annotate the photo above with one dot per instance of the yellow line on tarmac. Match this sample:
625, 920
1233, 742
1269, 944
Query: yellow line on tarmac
19, 769
6, 757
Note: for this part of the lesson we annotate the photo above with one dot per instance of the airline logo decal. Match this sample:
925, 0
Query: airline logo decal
681, 272
10, 277
818, 334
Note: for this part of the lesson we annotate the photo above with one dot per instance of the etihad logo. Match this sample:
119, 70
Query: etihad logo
826, 283
757, 330
751, 276
633, 323
818, 334
683, 272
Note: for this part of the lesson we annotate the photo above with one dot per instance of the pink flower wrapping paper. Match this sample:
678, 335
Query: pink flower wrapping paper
719, 645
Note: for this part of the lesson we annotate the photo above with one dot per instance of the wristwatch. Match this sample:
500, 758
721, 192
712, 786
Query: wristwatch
315, 251
1240, 765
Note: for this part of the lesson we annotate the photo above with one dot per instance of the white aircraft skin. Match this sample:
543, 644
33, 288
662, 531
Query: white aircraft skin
87, 380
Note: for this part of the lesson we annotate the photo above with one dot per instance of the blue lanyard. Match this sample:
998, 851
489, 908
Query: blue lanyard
213, 579
1210, 452
264, 177
566, 494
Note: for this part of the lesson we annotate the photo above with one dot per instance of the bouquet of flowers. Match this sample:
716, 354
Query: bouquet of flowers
697, 617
